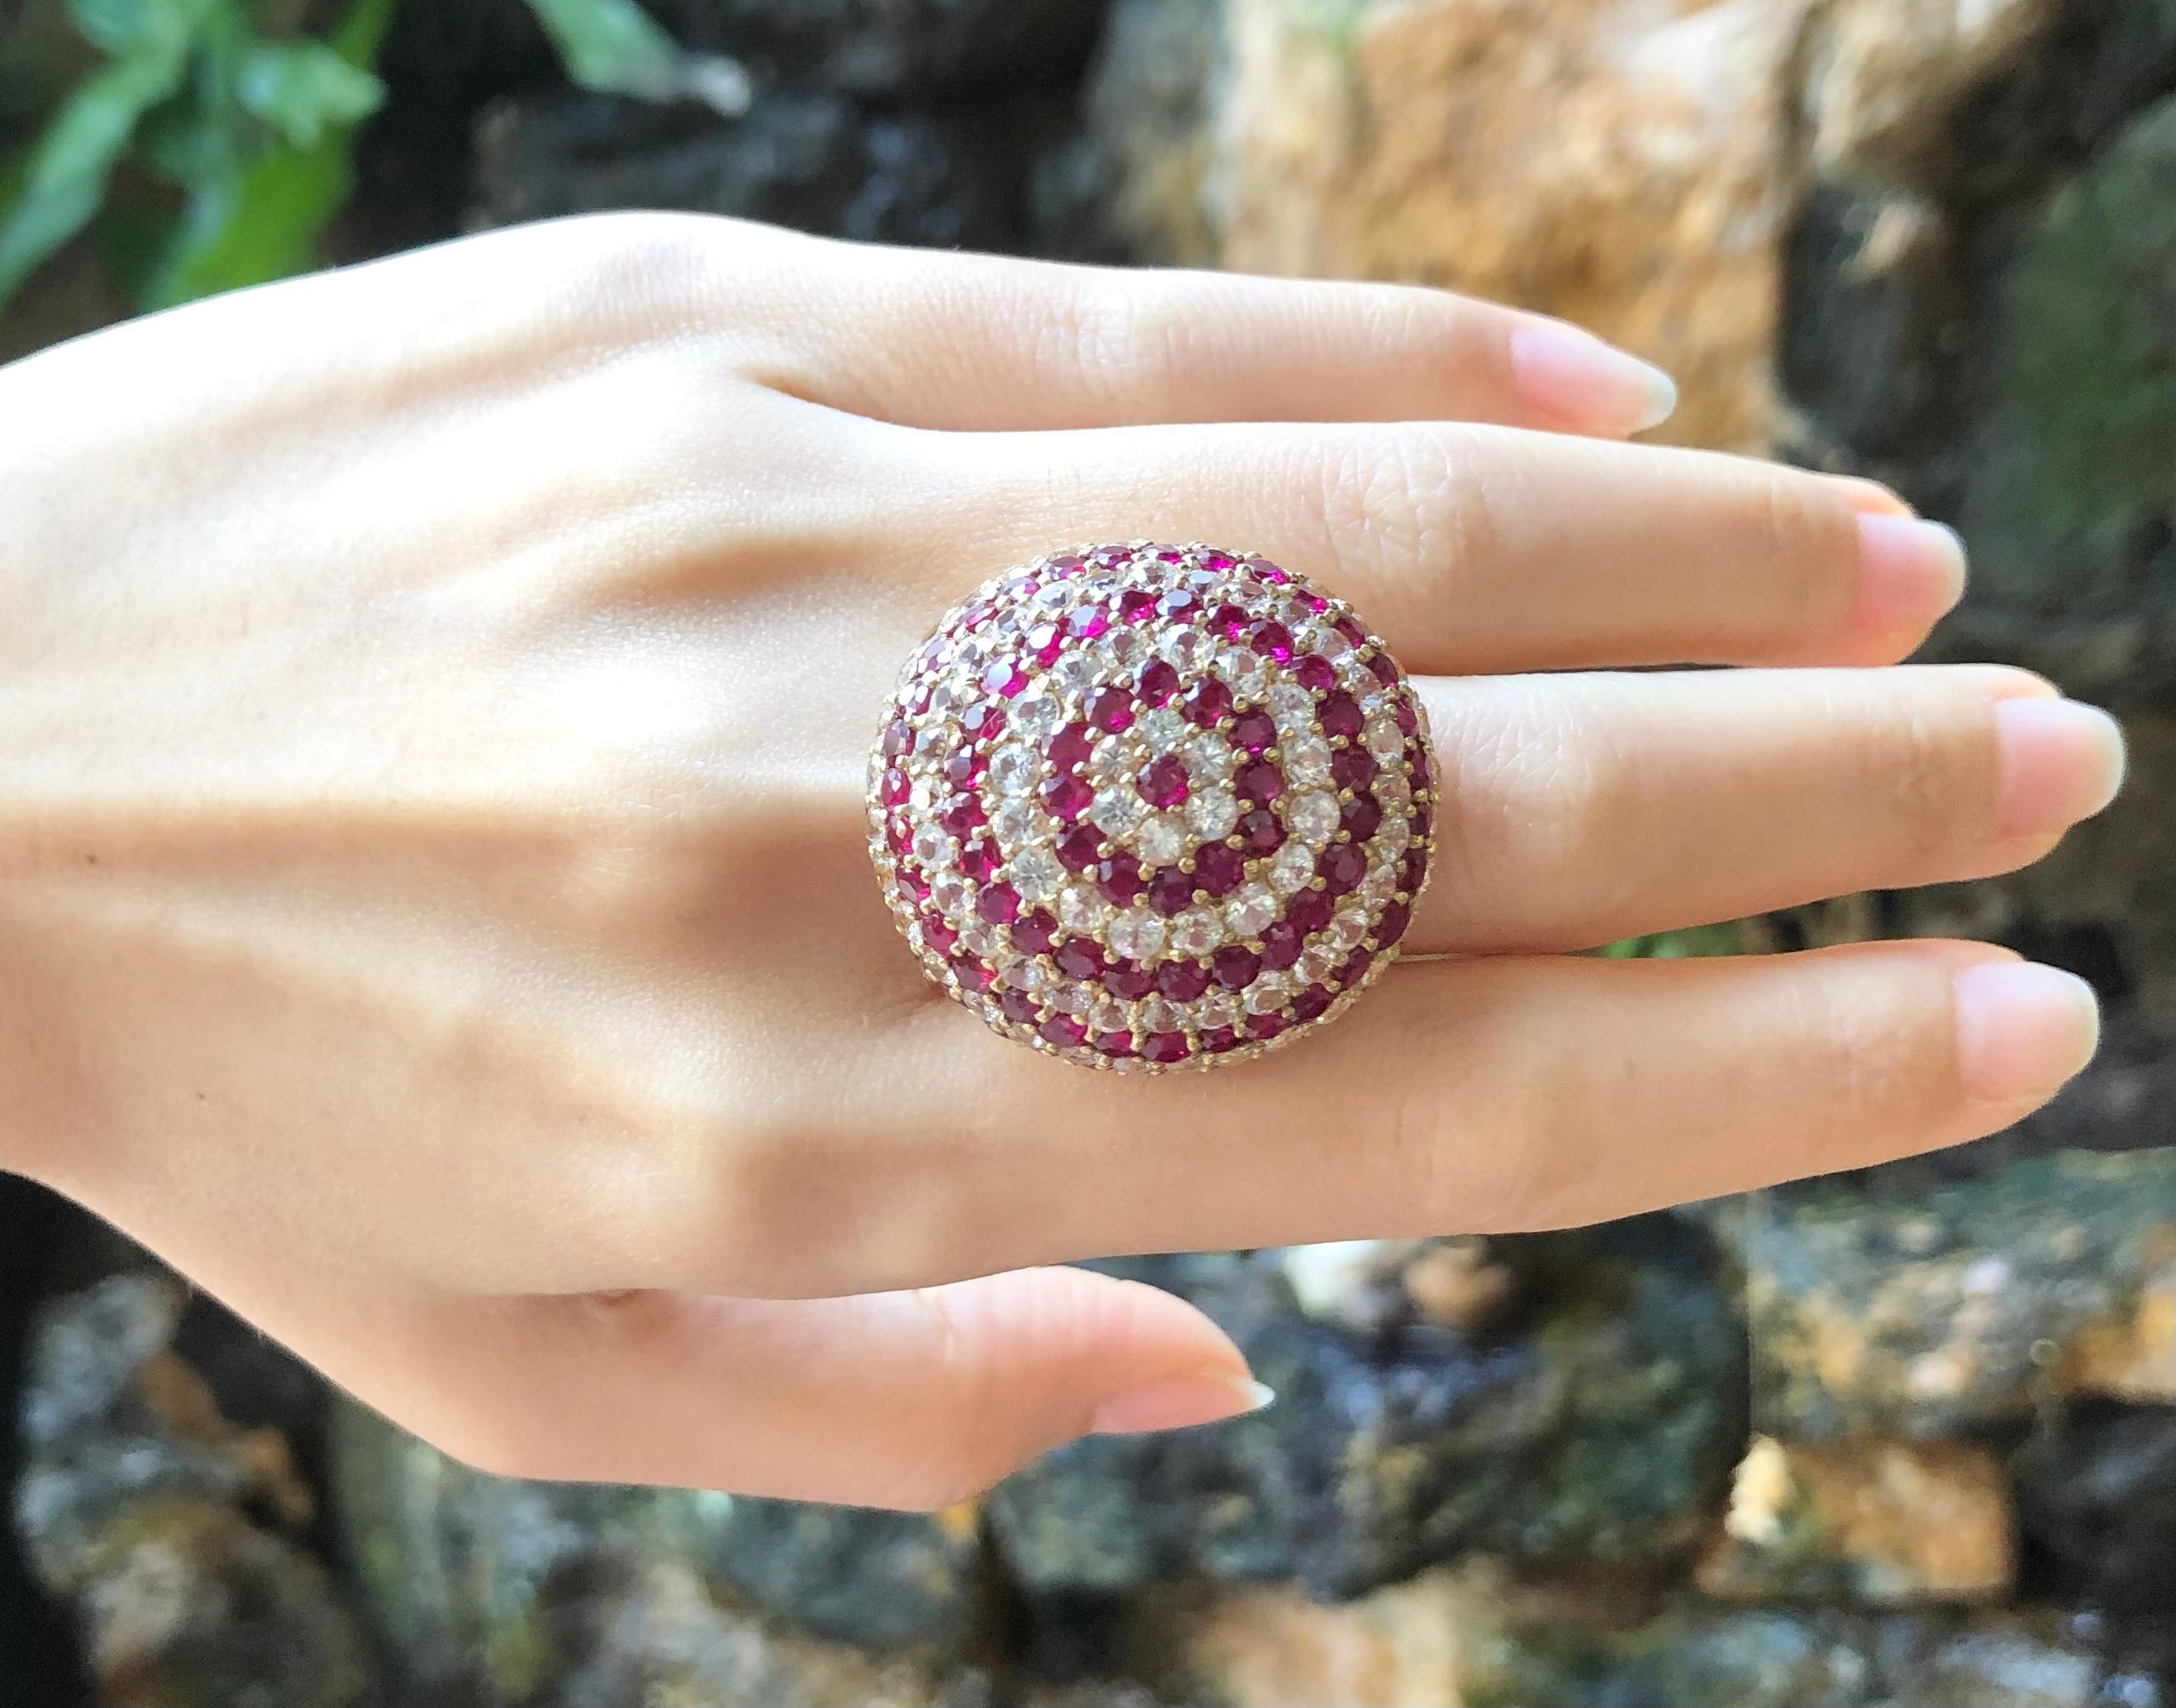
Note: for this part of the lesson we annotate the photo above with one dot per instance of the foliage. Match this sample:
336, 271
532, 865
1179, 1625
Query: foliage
1679, 945
251, 137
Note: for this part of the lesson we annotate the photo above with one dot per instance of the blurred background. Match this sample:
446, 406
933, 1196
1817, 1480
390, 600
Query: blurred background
1907, 1437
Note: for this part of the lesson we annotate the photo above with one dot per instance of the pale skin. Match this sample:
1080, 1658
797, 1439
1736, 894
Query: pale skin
434, 913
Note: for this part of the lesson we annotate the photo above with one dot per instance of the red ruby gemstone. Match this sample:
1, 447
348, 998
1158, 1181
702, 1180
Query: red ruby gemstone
1259, 831
1315, 673
1361, 817
897, 738
1110, 708
1310, 909
1260, 781
977, 861
1349, 626
1166, 1046
1063, 1030
1254, 731
938, 935
1078, 957
1355, 969
1163, 780
1236, 967
965, 816
1089, 621
1016, 1005
1109, 556
1034, 933
1208, 702
1352, 768
1181, 980
1171, 891
1137, 605
1228, 621
1005, 677
896, 787
1423, 816
1066, 564
1281, 945
1114, 1044
1129, 982
1385, 668
1392, 924
1218, 1039
1119, 879
1045, 640
1339, 714
963, 770
1159, 683
1000, 904
1341, 869
1070, 747
1218, 561
916, 883
1266, 571
1177, 602
1310, 1003
1411, 870
971, 972
1272, 640
1080, 847
985, 720
1067, 795
900, 835
1403, 715
1416, 758
1218, 869
1261, 1027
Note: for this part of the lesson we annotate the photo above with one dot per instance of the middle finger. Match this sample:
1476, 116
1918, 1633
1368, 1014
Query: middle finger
1471, 548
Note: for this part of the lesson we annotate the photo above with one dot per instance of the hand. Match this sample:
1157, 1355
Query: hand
433, 908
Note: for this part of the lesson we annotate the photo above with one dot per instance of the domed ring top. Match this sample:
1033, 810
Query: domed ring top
1144, 806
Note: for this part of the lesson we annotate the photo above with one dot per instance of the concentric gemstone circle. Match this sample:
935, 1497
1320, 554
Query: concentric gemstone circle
1148, 807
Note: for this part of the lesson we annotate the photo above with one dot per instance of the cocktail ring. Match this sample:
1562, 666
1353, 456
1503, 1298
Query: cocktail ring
1145, 806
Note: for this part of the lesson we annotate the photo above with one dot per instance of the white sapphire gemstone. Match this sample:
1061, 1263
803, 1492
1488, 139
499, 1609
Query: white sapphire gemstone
1289, 873
1012, 768
1137, 934
1251, 911
1195, 933
1313, 817
1036, 873
1211, 813
1117, 810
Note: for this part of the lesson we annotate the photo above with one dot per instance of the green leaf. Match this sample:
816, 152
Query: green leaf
269, 224
302, 88
615, 48
1679, 945
121, 26
52, 190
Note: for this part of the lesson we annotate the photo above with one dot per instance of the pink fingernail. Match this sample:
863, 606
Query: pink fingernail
1179, 1405
1573, 374
2023, 1030
1910, 571
2057, 762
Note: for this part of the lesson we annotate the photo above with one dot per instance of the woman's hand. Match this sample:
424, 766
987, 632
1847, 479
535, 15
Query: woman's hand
434, 913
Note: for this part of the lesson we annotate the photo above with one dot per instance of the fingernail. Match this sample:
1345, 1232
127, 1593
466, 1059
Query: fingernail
2023, 1030
1573, 374
1179, 1405
1910, 571
2057, 762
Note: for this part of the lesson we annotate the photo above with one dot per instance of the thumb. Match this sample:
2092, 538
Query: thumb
914, 1398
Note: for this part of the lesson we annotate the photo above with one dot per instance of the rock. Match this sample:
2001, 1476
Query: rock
1370, 1285
2064, 494
619, 1632
2096, 1498
477, 1582
912, 47
813, 161
1866, 1522
1478, 1636
1597, 1417
1890, 1309
175, 1535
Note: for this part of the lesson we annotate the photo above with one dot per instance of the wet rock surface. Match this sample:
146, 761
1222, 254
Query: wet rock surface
1593, 1418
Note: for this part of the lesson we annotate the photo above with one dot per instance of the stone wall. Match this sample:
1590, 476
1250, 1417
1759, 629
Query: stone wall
1907, 1437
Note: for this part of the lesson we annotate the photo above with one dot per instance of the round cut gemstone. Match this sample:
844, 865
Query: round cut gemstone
1171, 891
1164, 781
1217, 869
1145, 805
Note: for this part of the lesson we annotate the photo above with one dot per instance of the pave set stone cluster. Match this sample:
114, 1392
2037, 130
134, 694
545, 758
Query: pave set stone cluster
1145, 806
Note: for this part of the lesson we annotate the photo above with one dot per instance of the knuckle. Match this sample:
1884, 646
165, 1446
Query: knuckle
1408, 511
1803, 534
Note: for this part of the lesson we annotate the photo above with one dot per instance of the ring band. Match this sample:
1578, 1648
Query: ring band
1145, 806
